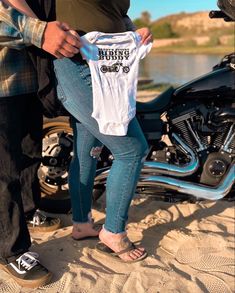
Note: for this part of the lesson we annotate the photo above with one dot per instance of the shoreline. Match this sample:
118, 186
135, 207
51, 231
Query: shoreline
147, 95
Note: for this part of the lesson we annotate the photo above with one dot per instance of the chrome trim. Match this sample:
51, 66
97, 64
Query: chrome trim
171, 169
196, 137
229, 138
194, 189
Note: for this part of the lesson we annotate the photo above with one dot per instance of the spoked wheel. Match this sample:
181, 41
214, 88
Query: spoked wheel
53, 172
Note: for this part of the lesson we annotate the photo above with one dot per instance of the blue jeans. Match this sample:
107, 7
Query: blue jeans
74, 89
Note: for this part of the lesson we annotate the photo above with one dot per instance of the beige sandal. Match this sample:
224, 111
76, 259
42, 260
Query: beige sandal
104, 249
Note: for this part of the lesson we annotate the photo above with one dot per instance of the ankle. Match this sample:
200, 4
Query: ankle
105, 234
86, 220
81, 226
83, 230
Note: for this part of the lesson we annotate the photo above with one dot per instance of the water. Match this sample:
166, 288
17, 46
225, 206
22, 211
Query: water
176, 69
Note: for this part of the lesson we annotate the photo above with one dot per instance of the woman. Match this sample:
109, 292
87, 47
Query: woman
74, 89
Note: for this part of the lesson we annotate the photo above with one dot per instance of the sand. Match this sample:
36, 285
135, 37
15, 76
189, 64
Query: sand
190, 247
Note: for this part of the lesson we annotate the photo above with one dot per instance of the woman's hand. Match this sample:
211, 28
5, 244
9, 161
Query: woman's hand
146, 35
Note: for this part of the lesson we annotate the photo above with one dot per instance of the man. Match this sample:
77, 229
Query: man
20, 138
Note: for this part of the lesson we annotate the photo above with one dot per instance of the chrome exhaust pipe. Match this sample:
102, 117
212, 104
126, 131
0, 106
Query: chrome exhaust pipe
194, 189
163, 168
171, 169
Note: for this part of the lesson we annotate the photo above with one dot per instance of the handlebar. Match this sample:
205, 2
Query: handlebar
219, 14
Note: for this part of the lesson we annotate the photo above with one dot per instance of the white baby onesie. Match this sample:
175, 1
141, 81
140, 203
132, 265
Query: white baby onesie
114, 73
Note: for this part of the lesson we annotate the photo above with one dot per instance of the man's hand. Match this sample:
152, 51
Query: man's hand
146, 35
59, 41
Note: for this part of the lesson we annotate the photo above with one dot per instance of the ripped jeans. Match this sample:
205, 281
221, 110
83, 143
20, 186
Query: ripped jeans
74, 89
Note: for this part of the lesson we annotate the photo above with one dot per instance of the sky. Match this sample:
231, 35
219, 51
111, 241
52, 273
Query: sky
159, 8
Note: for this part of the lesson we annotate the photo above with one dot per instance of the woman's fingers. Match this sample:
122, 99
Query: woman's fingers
148, 39
146, 35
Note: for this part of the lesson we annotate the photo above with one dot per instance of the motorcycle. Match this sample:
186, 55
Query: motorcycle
114, 68
190, 131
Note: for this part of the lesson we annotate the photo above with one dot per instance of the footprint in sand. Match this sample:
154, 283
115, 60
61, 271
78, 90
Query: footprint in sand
158, 218
63, 285
188, 247
203, 253
186, 255
206, 257
9, 286
175, 239
212, 284
213, 263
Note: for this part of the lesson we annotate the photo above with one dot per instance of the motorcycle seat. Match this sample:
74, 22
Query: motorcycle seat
157, 104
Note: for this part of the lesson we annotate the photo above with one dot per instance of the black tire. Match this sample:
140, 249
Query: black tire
98, 191
126, 69
57, 141
54, 180
103, 68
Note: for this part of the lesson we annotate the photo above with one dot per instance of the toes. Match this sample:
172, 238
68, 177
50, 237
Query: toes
133, 255
136, 253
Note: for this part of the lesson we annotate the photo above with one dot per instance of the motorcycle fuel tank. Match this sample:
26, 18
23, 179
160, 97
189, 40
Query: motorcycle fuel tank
217, 84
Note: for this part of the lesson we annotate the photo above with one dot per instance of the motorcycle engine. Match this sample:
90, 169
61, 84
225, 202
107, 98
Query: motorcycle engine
210, 131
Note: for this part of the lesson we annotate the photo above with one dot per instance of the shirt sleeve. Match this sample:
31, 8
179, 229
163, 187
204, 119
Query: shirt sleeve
128, 23
18, 30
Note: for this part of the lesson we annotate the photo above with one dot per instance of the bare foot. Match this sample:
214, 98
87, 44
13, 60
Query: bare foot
120, 242
85, 230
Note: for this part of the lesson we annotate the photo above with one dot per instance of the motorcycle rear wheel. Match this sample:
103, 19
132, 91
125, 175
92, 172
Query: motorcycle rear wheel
54, 180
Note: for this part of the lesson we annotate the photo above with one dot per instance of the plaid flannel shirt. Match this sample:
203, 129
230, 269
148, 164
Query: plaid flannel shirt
17, 75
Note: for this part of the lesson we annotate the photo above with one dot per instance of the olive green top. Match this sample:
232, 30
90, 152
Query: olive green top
93, 15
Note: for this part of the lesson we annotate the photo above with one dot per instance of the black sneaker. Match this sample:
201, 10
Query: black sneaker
41, 223
27, 271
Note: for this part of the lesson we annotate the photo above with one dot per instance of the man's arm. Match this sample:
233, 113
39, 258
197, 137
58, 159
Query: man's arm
22, 6
18, 30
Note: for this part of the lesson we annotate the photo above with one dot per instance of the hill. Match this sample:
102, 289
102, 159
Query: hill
190, 33
199, 23
186, 24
